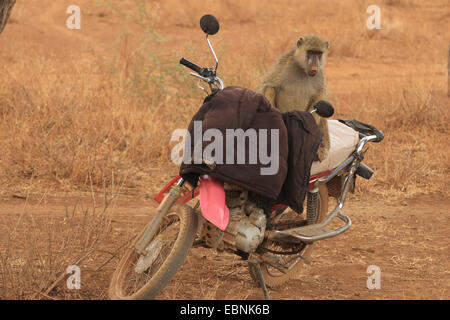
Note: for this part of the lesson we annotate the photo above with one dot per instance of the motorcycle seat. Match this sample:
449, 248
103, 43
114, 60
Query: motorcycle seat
343, 141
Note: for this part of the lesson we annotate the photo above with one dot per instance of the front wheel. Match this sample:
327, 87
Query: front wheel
145, 276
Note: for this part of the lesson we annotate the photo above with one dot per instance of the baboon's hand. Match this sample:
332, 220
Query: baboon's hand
270, 94
322, 153
325, 145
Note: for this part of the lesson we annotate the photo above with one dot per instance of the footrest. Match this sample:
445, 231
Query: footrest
309, 231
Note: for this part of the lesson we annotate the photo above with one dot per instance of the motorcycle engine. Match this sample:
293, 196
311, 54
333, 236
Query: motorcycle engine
246, 227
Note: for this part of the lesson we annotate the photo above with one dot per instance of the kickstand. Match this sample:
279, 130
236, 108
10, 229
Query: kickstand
256, 265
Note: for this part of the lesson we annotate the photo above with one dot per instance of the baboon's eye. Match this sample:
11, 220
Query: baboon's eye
315, 53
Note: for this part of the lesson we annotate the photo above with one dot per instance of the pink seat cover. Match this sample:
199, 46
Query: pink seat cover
212, 202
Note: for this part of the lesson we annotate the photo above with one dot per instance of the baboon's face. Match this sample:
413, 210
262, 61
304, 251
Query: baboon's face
311, 53
313, 61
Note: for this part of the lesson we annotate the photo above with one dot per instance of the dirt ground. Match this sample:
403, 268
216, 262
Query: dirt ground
407, 240
406, 236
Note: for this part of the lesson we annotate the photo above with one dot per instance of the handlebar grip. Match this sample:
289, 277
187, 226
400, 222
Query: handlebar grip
379, 134
191, 65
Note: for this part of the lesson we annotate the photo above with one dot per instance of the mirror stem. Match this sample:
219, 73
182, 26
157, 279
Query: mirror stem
212, 50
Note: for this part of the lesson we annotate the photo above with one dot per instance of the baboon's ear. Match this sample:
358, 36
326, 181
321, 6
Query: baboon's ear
300, 41
327, 43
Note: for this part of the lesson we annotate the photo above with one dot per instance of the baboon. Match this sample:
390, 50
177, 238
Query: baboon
5, 10
297, 81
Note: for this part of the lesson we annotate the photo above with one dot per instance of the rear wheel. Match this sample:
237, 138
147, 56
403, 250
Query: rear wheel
144, 276
272, 276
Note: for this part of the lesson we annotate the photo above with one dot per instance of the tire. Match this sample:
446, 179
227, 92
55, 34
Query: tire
171, 249
273, 277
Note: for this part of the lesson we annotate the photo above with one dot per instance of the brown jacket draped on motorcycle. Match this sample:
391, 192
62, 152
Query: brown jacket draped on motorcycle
297, 142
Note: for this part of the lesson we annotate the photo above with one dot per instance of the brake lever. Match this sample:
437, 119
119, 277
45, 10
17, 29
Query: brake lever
200, 77
211, 81
208, 81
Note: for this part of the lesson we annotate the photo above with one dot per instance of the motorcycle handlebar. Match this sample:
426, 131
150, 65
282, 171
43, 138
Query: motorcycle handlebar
191, 65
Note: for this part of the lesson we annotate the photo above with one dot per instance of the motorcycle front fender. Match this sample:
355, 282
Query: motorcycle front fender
212, 202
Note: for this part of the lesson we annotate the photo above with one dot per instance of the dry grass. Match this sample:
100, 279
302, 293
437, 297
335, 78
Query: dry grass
38, 245
99, 116
64, 127
92, 117
96, 116
37, 250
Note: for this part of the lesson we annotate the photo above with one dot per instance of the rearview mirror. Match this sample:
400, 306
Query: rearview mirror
209, 24
323, 108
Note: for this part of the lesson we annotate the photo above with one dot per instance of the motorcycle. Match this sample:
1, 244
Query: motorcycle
275, 245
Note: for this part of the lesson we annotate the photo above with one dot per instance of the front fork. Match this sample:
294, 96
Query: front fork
169, 200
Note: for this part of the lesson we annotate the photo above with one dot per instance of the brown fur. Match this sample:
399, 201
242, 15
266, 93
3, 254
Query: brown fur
288, 85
